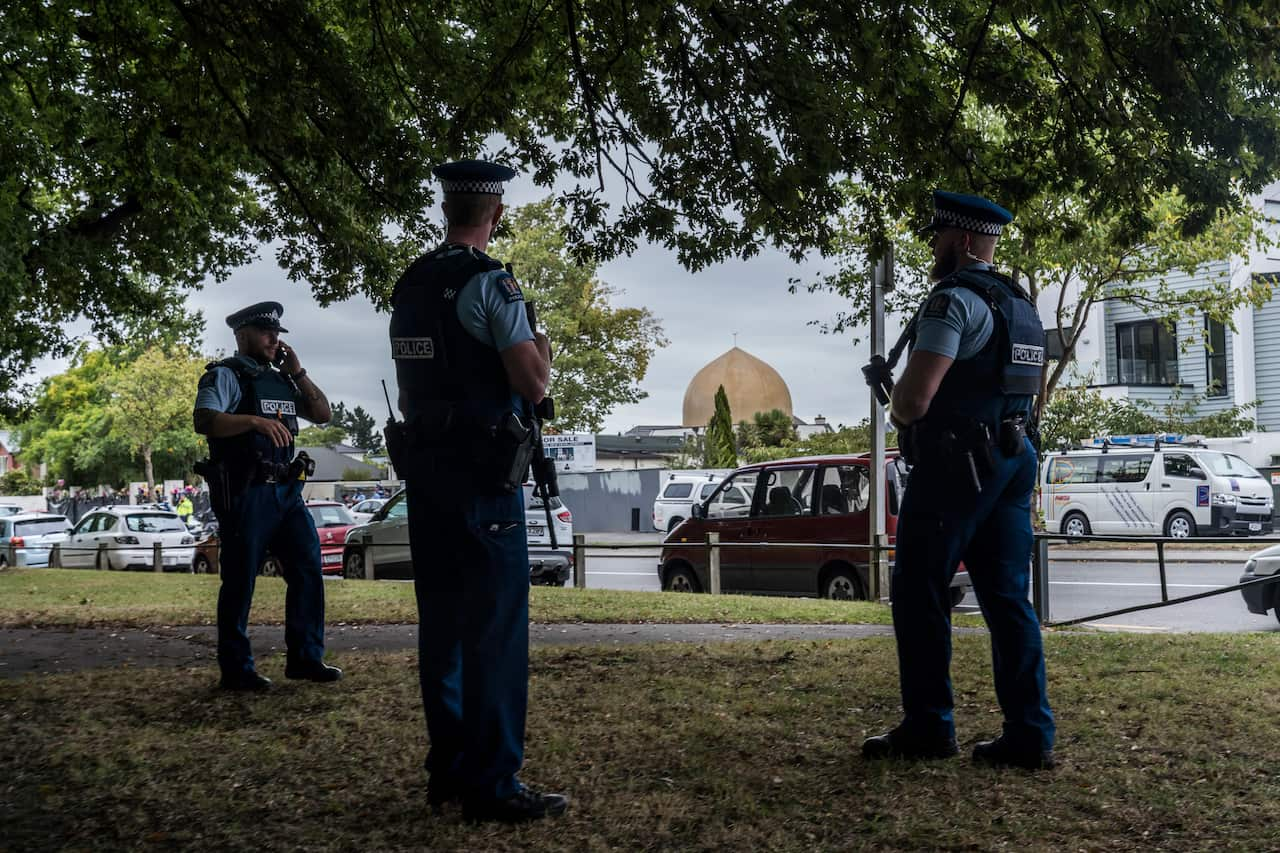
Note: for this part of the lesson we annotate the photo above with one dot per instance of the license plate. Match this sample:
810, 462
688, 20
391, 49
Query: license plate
331, 559
1255, 526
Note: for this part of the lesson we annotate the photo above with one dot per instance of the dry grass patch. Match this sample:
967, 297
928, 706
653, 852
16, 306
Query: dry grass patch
1165, 743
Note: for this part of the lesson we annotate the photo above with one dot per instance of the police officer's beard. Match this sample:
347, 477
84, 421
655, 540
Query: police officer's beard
943, 267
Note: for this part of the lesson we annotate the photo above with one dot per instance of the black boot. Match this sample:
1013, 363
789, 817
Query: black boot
1002, 753
899, 744
311, 670
247, 681
522, 806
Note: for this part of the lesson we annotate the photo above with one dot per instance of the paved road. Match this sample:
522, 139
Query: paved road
1080, 584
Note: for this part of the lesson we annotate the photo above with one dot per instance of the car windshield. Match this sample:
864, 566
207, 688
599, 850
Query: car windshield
1229, 465
331, 515
40, 526
154, 523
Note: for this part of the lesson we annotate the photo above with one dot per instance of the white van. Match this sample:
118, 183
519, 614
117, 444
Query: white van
681, 490
1166, 489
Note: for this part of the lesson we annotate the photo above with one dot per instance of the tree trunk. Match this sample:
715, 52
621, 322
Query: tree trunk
147, 469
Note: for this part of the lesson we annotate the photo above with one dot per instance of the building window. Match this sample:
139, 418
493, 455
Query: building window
1215, 357
1146, 354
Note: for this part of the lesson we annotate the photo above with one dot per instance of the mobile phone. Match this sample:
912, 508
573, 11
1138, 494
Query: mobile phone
282, 353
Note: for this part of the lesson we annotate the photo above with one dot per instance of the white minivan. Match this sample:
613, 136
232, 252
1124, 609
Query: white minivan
1167, 489
683, 489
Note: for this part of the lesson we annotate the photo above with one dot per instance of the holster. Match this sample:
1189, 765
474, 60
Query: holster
1013, 432
225, 483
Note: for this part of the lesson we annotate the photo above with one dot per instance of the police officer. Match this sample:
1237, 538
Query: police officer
470, 369
962, 409
248, 406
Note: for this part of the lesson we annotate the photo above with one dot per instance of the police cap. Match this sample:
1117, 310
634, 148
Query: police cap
264, 315
969, 212
473, 176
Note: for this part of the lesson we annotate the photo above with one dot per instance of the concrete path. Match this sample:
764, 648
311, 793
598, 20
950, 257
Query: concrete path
43, 651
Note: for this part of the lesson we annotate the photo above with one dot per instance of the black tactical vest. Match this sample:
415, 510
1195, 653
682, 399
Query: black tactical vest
438, 362
264, 392
1003, 379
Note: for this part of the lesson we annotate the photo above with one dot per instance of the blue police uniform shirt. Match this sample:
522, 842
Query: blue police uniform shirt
223, 395
963, 330
489, 314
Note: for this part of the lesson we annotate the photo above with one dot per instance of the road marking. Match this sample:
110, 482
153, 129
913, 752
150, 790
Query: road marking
626, 574
1116, 583
1111, 626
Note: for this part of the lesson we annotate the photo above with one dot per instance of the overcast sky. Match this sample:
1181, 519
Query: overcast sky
345, 350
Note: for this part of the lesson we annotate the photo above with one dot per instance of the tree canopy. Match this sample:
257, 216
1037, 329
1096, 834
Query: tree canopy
154, 145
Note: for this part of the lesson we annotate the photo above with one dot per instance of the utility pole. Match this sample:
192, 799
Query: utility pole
881, 283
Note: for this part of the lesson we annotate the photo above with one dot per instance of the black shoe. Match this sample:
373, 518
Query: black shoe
311, 670
249, 680
442, 791
522, 806
1001, 753
896, 744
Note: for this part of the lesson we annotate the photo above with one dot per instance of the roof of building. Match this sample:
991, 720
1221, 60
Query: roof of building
750, 384
615, 446
331, 464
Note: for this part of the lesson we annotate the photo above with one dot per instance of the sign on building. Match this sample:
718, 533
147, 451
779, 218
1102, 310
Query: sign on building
571, 451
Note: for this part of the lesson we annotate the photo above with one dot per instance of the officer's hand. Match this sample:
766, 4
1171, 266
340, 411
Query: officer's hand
291, 364
274, 430
543, 345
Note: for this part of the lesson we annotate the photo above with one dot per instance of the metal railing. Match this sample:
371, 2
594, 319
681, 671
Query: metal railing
102, 560
1040, 597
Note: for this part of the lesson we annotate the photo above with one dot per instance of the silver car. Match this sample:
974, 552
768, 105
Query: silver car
385, 540
28, 538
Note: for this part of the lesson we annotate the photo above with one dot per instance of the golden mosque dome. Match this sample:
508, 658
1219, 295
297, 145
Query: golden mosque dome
750, 384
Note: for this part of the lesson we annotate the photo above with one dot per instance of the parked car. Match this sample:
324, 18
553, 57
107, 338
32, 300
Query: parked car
122, 537
1262, 597
386, 538
10, 509
821, 500
332, 521
681, 491
364, 510
1171, 489
27, 538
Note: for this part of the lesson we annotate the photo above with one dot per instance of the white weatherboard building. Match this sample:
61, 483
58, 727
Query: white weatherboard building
1131, 355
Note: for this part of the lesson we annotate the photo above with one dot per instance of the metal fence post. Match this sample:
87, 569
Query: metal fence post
1040, 579
1164, 580
879, 571
11, 555
55, 556
100, 560
369, 561
579, 561
157, 557
713, 562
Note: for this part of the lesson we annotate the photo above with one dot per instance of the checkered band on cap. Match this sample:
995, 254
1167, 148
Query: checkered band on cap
472, 186
270, 317
955, 219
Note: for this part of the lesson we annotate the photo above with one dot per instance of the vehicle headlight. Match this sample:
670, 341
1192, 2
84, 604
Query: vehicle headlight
1250, 566
1224, 499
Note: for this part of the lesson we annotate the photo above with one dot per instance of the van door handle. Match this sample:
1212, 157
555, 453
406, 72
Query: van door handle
1166, 485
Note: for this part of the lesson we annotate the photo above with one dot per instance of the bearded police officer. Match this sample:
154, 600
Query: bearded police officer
248, 406
962, 409
470, 369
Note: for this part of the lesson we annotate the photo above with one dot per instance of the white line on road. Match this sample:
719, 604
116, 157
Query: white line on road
1111, 626
1114, 583
625, 574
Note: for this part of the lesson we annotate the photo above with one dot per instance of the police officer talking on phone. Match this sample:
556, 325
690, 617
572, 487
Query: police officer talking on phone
470, 371
248, 406
962, 409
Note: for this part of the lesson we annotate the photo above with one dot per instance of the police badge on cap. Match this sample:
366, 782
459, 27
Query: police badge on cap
264, 315
473, 176
969, 212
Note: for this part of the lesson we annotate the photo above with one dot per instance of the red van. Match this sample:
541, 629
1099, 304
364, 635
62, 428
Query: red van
816, 499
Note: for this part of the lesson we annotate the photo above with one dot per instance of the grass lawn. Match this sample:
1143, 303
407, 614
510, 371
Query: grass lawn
83, 597
1165, 742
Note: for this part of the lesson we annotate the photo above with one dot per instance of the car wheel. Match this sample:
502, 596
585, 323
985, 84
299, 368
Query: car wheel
842, 585
681, 579
271, 567
1075, 524
200, 565
1180, 525
674, 523
353, 564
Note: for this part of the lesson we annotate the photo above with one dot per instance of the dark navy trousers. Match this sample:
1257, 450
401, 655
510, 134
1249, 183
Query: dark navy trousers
471, 577
941, 523
269, 517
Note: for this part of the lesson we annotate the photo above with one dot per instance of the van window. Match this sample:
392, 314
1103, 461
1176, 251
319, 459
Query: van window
787, 491
1181, 465
1074, 470
678, 490
1229, 465
844, 489
732, 500
1125, 469
707, 490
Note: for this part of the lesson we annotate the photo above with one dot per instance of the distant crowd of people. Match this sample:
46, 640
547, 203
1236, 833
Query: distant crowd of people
351, 499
